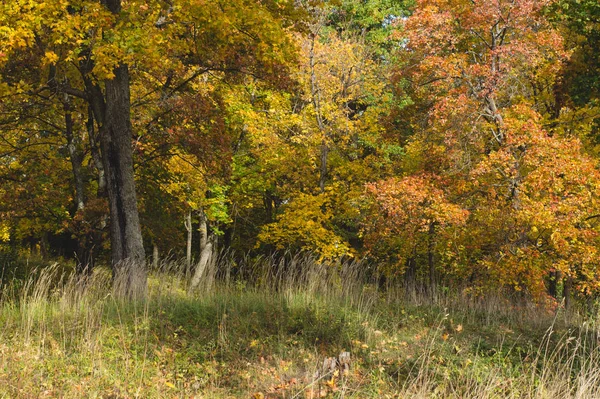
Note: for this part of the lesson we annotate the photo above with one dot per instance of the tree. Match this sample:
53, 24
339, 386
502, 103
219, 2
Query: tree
411, 216
483, 72
109, 103
308, 152
100, 51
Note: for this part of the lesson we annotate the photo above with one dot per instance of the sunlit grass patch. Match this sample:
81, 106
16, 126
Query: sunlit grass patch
64, 337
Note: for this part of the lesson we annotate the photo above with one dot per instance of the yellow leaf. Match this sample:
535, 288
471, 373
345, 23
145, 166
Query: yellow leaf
51, 57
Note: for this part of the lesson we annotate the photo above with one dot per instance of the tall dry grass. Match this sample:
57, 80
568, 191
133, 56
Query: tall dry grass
58, 315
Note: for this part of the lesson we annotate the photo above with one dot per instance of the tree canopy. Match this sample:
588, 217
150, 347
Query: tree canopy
449, 142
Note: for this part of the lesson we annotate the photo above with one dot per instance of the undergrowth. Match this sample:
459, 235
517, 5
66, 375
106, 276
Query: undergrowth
265, 330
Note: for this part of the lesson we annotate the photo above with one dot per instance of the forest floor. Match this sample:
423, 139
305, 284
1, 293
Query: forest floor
58, 339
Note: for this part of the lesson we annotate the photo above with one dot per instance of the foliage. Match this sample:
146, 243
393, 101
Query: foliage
408, 211
305, 223
454, 139
484, 72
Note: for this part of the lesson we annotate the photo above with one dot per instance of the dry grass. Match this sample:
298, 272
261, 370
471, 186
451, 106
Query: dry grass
263, 327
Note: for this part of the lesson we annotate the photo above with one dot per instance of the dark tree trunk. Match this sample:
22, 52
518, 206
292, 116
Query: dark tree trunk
323, 166
44, 246
111, 110
269, 206
553, 283
75, 154
85, 259
84, 255
127, 248
567, 294
316, 100
430, 260
410, 278
95, 150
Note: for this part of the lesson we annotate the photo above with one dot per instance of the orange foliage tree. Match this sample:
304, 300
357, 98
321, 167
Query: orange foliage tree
482, 72
412, 217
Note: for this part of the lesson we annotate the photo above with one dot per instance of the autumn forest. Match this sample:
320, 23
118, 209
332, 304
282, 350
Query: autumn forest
436, 146
442, 140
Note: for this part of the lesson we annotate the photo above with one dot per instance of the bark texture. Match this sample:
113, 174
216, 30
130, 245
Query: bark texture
203, 229
188, 253
205, 258
155, 256
127, 248
75, 155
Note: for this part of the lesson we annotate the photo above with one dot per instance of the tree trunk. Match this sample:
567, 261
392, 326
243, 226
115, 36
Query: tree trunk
44, 246
154, 256
410, 278
127, 248
74, 154
188, 253
430, 260
211, 270
85, 259
553, 283
84, 262
203, 229
323, 167
111, 110
567, 294
269, 206
205, 257
316, 101
96, 156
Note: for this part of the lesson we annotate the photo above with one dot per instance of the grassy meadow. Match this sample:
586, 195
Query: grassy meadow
263, 329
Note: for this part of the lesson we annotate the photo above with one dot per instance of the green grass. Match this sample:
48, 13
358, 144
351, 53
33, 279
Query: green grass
60, 338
